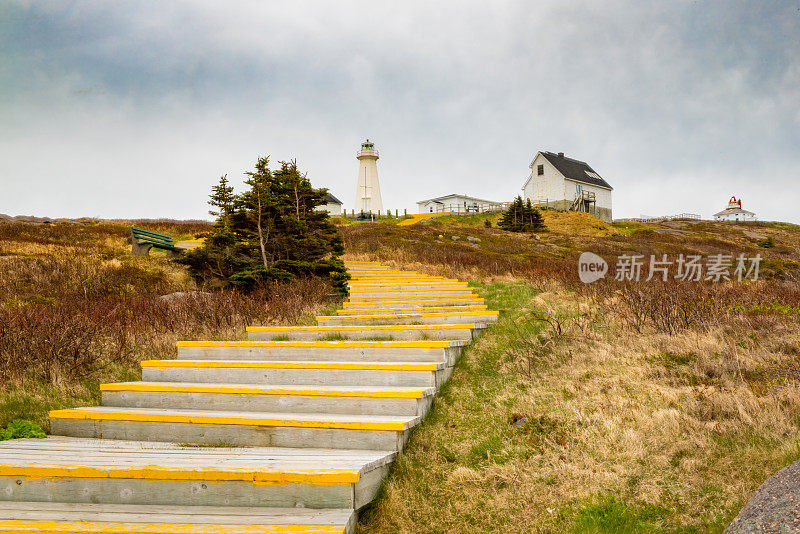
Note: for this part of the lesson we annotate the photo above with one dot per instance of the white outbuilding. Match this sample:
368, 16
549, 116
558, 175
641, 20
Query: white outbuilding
457, 204
332, 205
566, 184
734, 212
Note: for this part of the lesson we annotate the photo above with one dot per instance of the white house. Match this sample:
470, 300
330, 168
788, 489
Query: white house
566, 184
734, 212
332, 205
457, 204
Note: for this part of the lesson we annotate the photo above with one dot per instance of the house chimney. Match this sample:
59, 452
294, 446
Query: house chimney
560, 154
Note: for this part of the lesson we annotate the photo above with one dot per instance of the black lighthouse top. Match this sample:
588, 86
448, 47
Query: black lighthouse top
367, 145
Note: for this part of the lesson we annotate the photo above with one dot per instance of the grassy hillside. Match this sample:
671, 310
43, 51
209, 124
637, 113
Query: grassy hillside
76, 309
592, 408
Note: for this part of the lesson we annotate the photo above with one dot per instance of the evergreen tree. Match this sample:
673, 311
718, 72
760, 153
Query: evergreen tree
274, 233
513, 218
537, 221
222, 198
521, 217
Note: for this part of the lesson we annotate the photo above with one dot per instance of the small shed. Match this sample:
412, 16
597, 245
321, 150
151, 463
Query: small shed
332, 205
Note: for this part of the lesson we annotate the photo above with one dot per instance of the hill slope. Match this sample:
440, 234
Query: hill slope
593, 408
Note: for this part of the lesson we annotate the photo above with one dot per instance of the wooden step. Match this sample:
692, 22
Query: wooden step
417, 301
342, 373
74, 518
408, 285
399, 280
357, 400
480, 316
360, 294
58, 469
367, 310
412, 303
392, 332
243, 429
373, 351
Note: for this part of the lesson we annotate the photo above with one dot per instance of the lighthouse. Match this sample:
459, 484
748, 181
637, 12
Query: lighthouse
368, 190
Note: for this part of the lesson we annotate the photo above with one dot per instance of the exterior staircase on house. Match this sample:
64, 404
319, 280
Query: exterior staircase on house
292, 430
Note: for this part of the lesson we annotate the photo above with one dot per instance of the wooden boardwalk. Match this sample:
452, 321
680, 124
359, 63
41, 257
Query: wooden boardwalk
290, 431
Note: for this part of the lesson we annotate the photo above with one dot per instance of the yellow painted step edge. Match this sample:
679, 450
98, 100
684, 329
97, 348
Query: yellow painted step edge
422, 299
444, 301
115, 527
322, 344
420, 309
358, 328
321, 477
408, 393
344, 366
443, 314
98, 415
408, 290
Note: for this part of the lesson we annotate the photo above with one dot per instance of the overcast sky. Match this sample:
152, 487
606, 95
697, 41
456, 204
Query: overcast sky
134, 109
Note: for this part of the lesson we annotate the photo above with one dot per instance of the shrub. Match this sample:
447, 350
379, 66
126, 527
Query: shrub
767, 243
19, 428
78, 335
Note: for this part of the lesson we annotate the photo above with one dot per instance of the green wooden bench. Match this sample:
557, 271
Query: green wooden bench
143, 240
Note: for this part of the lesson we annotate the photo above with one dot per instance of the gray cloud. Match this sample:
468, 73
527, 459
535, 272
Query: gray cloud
678, 104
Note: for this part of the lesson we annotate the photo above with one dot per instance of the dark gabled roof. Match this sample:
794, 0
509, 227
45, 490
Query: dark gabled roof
330, 199
575, 170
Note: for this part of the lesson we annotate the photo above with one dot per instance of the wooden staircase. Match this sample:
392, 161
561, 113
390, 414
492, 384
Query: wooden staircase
292, 430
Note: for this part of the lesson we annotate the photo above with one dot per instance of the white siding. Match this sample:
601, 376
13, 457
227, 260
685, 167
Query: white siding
427, 207
735, 217
333, 209
549, 187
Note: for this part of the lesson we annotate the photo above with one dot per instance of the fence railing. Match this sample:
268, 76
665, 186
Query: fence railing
461, 209
678, 217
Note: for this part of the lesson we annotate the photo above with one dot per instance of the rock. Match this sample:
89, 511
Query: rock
520, 421
473, 239
754, 235
774, 507
441, 236
455, 237
536, 237
179, 295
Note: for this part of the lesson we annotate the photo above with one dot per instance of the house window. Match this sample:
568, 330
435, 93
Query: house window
540, 170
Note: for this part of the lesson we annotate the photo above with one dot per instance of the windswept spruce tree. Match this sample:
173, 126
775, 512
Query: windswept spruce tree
522, 217
270, 232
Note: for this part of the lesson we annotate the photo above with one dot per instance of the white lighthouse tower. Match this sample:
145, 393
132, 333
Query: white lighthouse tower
368, 191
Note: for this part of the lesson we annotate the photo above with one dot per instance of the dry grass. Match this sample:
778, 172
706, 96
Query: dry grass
77, 309
638, 408
576, 223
